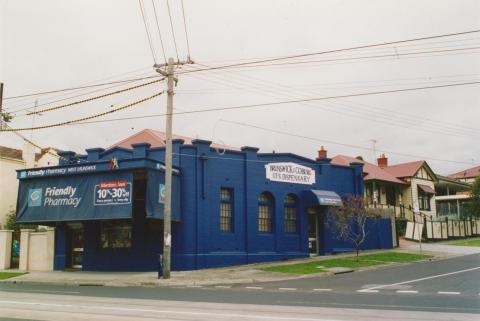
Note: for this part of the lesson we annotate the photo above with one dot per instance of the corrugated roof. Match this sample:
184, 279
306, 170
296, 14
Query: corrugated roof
12, 153
468, 173
373, 171
157, 139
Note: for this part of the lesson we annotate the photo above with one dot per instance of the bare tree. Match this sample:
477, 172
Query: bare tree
349, 222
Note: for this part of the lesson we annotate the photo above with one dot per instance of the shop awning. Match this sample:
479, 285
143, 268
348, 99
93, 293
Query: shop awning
427, 189
92, 196
313, 197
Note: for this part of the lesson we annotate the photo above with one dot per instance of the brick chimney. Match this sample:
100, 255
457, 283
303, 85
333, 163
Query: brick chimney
322, 153
382, 161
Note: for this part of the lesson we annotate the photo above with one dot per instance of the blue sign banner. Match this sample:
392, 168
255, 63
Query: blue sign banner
77, 197
156, 195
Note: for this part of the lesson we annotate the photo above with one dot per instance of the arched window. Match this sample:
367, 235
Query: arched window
265, 212
290, 213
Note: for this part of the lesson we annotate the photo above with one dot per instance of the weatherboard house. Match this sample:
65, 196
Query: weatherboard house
229, 206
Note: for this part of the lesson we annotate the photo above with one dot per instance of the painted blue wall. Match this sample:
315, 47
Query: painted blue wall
197, 241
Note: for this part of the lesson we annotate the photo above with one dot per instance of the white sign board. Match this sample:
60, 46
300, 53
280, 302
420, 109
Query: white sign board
290, 173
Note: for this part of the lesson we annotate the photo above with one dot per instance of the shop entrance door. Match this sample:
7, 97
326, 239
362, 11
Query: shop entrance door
313, 232
77, 248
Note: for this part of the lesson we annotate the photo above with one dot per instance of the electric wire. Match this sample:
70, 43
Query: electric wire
83, 87
214, 109
149, 38
159, 32
375, 117
186, 33
94, 98
84, 118
173, 31
333, 51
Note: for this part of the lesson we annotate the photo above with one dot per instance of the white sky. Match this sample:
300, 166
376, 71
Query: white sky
48, 45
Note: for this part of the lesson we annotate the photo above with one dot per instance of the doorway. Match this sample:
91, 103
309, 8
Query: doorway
76, 247
315, 229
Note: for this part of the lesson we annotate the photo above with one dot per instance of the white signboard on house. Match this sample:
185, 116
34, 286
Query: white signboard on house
290, 173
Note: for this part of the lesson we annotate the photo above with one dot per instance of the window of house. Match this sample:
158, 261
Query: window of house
265, 212
290, 213
226, 209
424, 200
115, 235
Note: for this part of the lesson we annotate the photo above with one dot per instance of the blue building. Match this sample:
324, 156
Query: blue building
229, 206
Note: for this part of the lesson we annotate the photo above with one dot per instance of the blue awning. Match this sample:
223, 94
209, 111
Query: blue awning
91, 196
313, 197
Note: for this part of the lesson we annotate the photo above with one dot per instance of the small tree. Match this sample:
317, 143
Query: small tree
474, 202
349, 222
10, 221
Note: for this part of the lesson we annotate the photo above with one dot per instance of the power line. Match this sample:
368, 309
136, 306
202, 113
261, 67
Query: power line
93, 98
148, 33
48, 102
84, 118
270, 104
375, 117
159, 33
81, 87
340, 143
173, 32
394, 55
186, 33
333, 51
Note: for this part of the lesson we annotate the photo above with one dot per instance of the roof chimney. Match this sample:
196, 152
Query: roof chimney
322, 153
382, 161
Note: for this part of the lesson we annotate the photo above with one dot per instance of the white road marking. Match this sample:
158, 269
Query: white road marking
406, 291
322, 290
367, 291
194, 286
223, 286
422, 279
44, 291
164, 311
447, 292
288, 289
253, 287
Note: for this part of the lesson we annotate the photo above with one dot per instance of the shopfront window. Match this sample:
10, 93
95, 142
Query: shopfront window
116, 235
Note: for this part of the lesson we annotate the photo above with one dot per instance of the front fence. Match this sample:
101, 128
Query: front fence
433, 229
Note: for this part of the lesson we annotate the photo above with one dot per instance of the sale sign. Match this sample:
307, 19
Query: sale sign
113, 193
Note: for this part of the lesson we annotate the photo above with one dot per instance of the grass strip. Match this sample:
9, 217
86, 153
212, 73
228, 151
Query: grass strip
467, 243
7, 275
347, 262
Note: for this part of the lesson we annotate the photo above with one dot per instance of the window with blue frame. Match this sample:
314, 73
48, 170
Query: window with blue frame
226, 209
265, 212
290, 206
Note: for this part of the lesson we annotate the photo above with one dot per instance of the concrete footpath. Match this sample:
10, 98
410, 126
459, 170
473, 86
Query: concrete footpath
228, 275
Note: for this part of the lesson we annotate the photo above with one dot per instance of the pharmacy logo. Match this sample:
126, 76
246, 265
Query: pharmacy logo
34, 197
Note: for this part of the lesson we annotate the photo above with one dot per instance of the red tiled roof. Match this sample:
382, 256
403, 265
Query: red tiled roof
468, 173
373, 171
157, 139
405, 169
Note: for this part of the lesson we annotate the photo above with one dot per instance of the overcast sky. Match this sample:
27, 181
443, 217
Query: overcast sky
48, 45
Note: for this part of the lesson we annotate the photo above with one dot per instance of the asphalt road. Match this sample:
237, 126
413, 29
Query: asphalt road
423, 290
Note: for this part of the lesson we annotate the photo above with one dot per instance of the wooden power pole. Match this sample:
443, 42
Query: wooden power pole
167, 206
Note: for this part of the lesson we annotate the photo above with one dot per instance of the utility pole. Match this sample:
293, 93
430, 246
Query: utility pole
167, 206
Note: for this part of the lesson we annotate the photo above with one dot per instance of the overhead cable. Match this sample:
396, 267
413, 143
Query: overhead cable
149, 38
84, 118
93, 98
